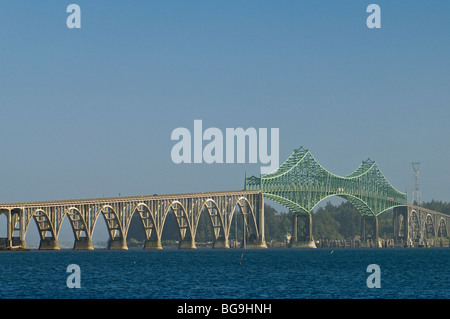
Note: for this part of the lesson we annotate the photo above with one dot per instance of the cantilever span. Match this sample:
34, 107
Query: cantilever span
300, 183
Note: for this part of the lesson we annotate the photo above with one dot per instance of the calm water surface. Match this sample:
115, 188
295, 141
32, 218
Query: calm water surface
208, 273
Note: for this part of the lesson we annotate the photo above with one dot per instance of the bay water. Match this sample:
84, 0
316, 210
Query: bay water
341, 273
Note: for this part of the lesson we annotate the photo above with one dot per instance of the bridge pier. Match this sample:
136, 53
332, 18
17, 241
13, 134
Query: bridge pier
49, 244
13, 243
187, 243
83, 243
118, 244
257, 245
303, 244
302, 222
19, 242
153, 244
370, 231
400, 220
221, 243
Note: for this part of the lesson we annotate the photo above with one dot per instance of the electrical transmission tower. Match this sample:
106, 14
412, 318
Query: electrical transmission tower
415, 196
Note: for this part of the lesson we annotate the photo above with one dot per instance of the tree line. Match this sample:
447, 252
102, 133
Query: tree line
337, 221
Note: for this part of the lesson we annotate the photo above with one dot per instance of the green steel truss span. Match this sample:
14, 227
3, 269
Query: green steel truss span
300, 183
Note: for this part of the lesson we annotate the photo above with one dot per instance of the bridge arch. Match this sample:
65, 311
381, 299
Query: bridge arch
78, 223
117, 239
249, 218
429, 225
187, 236
442, 228
359, 204
44, 224
46, 229
147, 219
80, 228
216, 218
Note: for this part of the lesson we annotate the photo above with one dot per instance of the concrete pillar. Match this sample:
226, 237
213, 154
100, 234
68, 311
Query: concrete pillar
49, 244
294, 228
373, 240
187, 243
306, 240
22, 234
221, 243
84, 243
118, 244
400, 220
376, 230
153, 244
9, 230
262, 239
303, 244
308, 221
256, 245
363, 229
18, 242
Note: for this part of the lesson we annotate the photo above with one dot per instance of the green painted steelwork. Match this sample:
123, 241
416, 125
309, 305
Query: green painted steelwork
300, 183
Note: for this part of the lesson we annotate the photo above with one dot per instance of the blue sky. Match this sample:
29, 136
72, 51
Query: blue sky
89, 112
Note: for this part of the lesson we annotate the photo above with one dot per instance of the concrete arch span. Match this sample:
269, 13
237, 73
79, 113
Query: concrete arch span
216, 221
184, 223
442, 228
118, 213
419, 226
149, 224
117, 238
83, 237
252, 233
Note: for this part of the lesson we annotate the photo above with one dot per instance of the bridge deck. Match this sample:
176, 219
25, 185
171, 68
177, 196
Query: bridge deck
125, 199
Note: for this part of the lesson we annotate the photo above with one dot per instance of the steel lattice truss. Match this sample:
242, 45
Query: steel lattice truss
300, 183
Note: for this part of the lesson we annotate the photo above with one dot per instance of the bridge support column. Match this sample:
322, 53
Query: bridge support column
18, 242
187, 243
16, 216
83, 243
118, 244
221, 243
400, 220
9, 229
257, 244
261, 241
294, 228
302, 232
370, 231
49, 244
153, 244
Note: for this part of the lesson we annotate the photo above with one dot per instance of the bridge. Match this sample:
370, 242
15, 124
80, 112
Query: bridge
117, 212
416, 226
299, 184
